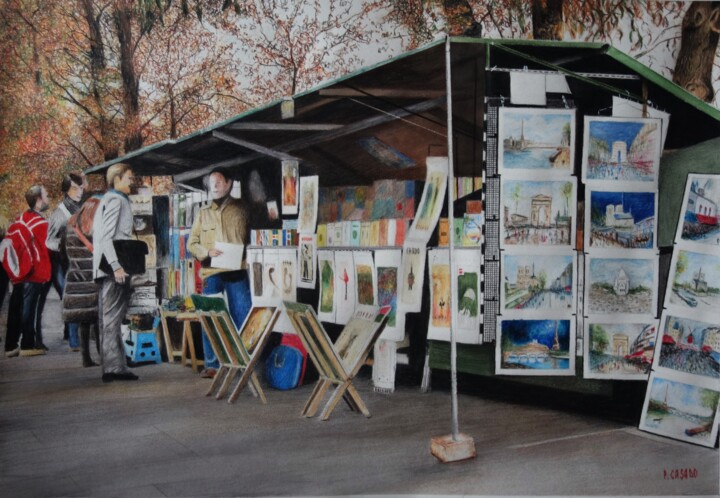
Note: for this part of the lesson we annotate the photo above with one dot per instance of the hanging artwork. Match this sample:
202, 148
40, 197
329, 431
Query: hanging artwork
290, 175
689, 345
308, 204
412, 276
616, 348
537, 140
345, 286
532, 282
621, 285
272, 284
255, 272
440, 294
694, 281
287, 261
624, 219
365, 278
542, 346
307, 247
387, 275
679, 410
466, 308
432, 200
621, 149
326, 275
699, 223
538, 213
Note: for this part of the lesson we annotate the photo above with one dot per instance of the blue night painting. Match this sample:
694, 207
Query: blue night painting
622, 219
535, 344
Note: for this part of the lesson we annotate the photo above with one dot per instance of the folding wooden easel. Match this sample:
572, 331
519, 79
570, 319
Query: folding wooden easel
338, 363
236, 352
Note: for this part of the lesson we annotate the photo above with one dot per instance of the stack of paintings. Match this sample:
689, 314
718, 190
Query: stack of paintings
619, 166
682, 397
538, 196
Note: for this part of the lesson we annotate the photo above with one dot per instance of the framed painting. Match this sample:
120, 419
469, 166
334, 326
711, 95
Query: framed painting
616, 348
538, 213
625, 149
621, 284
540, 346
532, 139
699, 224
623, 219
538, 282
694, 281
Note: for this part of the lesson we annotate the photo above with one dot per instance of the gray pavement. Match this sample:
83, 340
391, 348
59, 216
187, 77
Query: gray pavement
65, 433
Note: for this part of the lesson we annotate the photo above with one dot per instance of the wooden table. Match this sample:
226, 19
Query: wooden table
187, 351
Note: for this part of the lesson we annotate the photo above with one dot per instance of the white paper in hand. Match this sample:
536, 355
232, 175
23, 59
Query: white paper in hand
231, 257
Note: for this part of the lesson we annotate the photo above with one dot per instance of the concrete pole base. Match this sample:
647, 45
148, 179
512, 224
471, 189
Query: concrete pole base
447, 450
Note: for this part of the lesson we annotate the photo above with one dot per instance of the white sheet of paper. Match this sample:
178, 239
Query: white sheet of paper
527, 88
231, 257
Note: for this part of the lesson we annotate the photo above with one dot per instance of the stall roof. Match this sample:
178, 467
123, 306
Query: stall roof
391, 115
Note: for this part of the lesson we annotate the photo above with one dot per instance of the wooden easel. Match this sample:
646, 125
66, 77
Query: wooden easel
334, 367
187, 350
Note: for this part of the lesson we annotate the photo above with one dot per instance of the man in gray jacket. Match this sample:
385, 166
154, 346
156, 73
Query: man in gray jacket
113, 221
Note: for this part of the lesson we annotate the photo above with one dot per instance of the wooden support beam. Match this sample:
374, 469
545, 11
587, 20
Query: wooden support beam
253, 146
253, 126
392, 93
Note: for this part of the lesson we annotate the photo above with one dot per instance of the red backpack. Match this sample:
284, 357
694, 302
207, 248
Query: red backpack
18, 252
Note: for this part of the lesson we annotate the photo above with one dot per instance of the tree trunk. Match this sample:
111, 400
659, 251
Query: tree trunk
130, 80
698, 46
547, 19
460, 19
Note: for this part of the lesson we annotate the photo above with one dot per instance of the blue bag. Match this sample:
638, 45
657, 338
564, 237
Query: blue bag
283, 367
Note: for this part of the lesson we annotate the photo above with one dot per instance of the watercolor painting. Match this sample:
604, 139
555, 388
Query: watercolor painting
345, 286
255, 258
272, 284
538, 282
387, 280
621, 149
288, 273
695, 281
290, 175
535, 347
622, 220
472, 229
621, 350
538, 213
326, 269
306, 260
468, 299
690, 346
412, 276
621, 285
432, 200
467, 268
699, 221
681, 411
537, 139
308, 204
364, 276
440, 307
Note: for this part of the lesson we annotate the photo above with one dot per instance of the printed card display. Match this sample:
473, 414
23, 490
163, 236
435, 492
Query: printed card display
290, 174
432, 201
307, 257
533, 282
536, 140
326, 275
541, 346
617, 348
345, 286
625, 284
308, 204
412, 276
621, 149
387, 279
699, 225
538, 213
620, 219
365, 278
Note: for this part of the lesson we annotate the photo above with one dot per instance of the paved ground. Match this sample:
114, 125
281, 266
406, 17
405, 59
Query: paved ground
65, 433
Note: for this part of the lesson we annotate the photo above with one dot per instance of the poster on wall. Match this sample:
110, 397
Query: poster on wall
618, 348
307, 260
412, 276
536, 140
537, 212
308, 204
538, 346
625, 149
699, 224
365, 278
440, 294
287, 264
387, 279
432, 200
345, 286
326, 276
290, 175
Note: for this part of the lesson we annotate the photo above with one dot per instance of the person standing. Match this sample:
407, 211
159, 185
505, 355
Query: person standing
225, 219
113, 221
72, 187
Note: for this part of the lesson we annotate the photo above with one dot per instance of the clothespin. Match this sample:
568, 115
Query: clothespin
502, 101
565, 102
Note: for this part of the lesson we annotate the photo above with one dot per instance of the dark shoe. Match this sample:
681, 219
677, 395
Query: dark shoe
109, 377
42, 346
208, 373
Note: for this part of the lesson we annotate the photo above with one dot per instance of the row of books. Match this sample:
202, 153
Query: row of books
377, 233
184, 280
184, 207
466, 185
274, 237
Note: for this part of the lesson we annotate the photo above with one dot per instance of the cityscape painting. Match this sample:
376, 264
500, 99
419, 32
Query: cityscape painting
537, 139
621, 285
538, 213
538, 282
621, 220
622, 350
690, 346
681, 411
699, 221
621, 149
535, 347
695, 281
